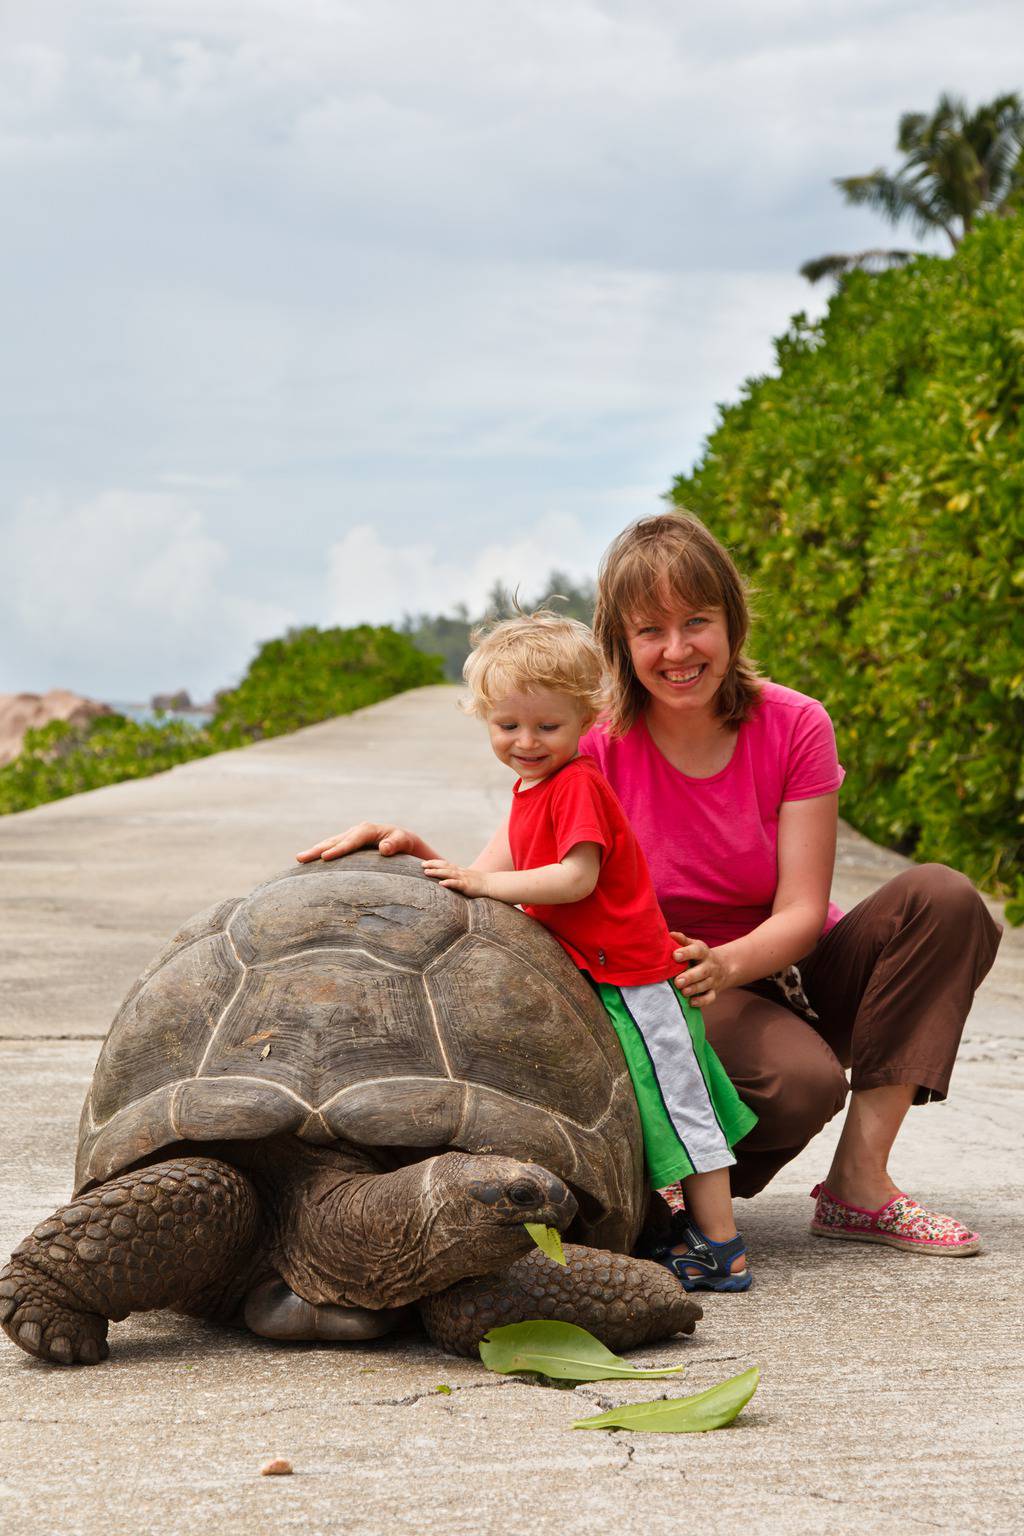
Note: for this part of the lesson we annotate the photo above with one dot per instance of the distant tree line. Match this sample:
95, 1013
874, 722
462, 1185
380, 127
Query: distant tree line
448, 634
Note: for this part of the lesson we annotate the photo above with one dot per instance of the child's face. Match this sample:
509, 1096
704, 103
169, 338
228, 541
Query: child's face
536, 733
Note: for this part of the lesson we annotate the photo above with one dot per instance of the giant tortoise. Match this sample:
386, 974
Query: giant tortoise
340, 1096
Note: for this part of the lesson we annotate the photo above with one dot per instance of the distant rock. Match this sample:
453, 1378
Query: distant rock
176, 701
21, 712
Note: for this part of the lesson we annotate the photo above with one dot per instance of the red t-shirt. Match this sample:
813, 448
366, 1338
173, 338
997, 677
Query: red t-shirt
617, 933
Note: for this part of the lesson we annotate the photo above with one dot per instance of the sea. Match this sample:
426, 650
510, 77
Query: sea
143, 714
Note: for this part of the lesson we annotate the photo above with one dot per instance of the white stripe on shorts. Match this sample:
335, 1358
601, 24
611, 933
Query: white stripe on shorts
656, 1012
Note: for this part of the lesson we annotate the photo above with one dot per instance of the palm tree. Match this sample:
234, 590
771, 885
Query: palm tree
958, 167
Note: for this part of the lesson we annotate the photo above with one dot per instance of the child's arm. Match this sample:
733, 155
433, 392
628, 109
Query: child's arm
497, 854
553, 885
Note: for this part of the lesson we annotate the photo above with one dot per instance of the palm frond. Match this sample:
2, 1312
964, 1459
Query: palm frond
912, 126
897, 198
999, 138
876, 190
1013, 198
861, 261
957, 166
1005, 107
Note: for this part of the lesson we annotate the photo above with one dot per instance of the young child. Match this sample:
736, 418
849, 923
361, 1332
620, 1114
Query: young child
572, 862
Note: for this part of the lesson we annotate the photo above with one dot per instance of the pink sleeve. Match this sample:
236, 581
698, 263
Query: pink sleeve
813, 766
578, 816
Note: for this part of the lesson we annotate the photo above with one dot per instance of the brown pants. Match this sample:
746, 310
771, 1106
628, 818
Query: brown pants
892, 984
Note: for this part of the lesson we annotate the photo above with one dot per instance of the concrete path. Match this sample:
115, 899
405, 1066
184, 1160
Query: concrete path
891, 1386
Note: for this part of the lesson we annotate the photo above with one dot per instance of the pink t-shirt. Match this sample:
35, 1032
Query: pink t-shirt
711, 844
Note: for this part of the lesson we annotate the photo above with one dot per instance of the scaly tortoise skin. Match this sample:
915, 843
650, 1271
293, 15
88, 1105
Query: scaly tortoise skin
339, 1096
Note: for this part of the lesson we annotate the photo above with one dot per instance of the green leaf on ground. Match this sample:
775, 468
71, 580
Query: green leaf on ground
712, 1409
548, 1240
444, 1390
559, 1350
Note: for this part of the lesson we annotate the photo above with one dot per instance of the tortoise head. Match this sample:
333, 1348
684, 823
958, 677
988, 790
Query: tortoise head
481, 1203
502, 1193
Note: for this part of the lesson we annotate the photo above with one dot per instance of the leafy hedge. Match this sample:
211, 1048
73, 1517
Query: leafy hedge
309, 675
873, 489
313, 674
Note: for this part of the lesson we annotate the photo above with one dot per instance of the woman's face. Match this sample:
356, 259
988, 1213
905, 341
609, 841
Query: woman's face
680, 655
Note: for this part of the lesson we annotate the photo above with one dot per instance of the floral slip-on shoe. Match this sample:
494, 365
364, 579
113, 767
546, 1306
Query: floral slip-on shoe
901, 1223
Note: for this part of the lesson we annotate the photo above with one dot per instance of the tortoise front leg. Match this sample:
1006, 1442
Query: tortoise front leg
621, 1300
170, 1235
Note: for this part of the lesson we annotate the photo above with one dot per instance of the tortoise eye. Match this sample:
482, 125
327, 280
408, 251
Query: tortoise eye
524, 1193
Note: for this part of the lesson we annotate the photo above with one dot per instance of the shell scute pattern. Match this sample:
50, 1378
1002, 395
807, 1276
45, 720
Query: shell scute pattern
399, 921
397, 1013
496, 923
430, 1111
330, 1019
163, 1028
203, 925
503, 1022
242, 1107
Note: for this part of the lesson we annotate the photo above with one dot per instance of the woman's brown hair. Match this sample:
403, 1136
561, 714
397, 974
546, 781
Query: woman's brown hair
670, 556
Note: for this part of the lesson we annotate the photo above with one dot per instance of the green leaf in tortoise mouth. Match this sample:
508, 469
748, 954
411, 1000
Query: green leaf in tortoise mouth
548, 1240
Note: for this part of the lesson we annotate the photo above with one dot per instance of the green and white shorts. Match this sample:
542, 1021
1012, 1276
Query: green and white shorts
690, 1112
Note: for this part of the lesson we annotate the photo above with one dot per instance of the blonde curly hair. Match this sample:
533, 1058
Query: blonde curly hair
531, 651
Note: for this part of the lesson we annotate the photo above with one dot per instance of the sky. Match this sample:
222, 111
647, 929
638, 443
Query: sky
328, 311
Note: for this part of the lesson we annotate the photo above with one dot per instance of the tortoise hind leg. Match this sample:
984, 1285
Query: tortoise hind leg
274, 1311
172, 1235
621, 1300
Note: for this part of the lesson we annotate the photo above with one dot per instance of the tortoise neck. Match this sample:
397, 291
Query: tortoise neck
348, 1233
361, 1238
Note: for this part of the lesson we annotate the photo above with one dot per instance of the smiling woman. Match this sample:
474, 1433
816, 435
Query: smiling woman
731, 785
674, 629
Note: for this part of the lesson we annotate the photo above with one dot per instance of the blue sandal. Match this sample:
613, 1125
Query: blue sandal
656, 1246
711, 1260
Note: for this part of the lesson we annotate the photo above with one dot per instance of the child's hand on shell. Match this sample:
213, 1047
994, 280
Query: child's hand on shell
471, 882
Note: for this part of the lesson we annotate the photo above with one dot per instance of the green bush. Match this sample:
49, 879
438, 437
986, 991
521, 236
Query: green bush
62, 759
313, 674
309, 675
873, 489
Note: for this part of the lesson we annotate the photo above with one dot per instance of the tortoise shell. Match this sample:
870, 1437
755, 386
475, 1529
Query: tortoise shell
357, 1000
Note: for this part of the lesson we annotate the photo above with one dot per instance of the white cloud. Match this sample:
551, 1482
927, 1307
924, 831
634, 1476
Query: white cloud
396, 278
189, 482
588, 126
124, 587
373, 579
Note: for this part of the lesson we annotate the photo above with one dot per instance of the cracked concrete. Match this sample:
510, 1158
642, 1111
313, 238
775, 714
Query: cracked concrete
890, 1385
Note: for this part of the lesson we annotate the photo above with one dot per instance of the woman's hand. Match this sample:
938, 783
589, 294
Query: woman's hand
471, 882
368, 834
707, 974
